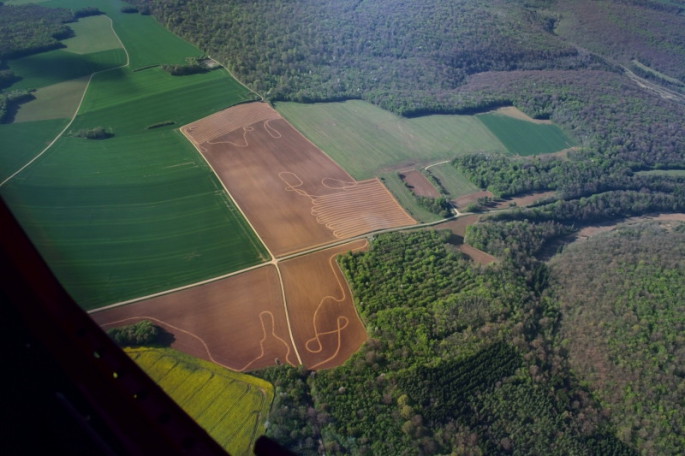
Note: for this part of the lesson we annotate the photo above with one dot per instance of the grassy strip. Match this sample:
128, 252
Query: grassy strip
366, 140
406, 198
526, 138
232, 407
453, 180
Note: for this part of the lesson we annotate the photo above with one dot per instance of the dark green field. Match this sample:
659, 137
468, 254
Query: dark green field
521, 137
140, 212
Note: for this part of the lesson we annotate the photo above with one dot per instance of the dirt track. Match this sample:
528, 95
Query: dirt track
325, 323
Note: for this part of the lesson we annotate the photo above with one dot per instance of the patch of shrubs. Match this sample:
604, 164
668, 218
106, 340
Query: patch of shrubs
143, 332
193, 66
129, 9
95, 133
160, 124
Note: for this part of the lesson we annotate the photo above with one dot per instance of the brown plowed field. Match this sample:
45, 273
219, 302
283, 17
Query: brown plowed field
419, 184
293, 194
325, 324
238, 322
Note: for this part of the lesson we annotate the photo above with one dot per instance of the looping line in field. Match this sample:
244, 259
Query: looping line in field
265, 336
244, 144
271, 130
356, 208
342, 321
204, 344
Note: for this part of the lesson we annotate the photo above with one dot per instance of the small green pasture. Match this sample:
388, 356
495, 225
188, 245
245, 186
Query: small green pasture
406, 198
52, 67
367, 141
452, 180
232, 407
92, 34
20, 142
57, 101
522, 137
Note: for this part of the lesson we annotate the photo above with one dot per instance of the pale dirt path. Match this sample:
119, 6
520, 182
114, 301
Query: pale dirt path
78, 108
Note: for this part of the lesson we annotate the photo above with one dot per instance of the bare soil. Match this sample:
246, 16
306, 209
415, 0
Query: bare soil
325, 323
419, 184
238, 322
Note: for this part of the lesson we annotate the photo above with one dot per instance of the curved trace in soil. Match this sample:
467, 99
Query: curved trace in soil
356, 208
265, 336
342, 322
204, 344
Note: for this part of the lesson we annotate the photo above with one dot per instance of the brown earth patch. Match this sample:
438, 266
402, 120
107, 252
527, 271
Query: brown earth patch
516, 113
463, 201
294, 195
238, 322
524, 200
419, 184
477, 255
325, 323
458, 226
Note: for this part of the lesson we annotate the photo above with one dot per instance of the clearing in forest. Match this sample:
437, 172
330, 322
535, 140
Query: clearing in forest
523, 137
294, 195
367, 140
230, 406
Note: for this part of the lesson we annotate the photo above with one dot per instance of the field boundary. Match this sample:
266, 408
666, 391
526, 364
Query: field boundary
78, 108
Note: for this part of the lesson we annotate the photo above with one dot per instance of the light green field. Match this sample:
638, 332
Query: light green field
141, 212
366, 140
57, 101
406, 198
92, 34
453, 180
20, 142
524, 138
230, 406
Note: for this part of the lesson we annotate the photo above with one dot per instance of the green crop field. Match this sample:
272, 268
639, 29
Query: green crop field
452, 180
522, 137
20, 142
366, 140
140, 212
406, 198
47, 68
230, 406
